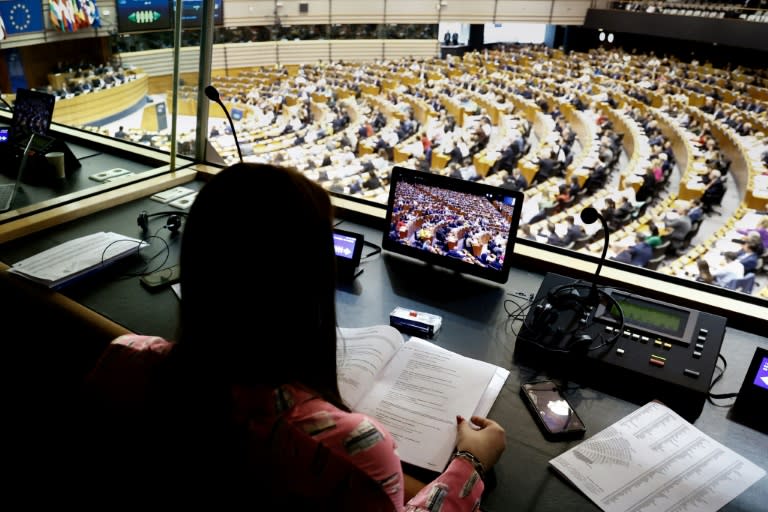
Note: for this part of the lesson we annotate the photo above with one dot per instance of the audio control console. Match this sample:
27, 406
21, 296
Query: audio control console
624, 344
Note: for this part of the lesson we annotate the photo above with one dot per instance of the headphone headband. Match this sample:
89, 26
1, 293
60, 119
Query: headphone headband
173, 223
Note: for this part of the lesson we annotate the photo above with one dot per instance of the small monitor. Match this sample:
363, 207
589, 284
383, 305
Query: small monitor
752, 402
32, 113
349, 247
237, 113
461, 225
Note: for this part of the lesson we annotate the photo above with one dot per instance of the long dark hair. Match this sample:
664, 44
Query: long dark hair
258, 281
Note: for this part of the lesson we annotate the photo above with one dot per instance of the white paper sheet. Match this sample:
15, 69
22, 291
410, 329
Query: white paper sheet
653, 460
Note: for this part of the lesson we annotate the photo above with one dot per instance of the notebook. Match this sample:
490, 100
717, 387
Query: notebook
8, 191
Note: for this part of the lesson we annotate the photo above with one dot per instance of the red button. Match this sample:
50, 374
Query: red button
413, 313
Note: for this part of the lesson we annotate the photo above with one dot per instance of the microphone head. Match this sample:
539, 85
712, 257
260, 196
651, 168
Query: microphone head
589, 215
212, 93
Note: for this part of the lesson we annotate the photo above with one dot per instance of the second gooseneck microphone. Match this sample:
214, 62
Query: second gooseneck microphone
213, 94
588, 216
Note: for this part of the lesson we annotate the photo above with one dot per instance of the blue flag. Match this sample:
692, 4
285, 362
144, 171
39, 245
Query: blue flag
22, 16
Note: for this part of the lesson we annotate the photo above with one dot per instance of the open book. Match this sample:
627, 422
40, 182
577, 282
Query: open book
415, 389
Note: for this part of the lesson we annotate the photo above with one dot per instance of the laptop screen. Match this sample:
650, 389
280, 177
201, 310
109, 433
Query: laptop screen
462, 225
32, 113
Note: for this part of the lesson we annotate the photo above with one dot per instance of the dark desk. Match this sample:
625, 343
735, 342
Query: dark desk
474, 324
41, 190
116, 293
38, 183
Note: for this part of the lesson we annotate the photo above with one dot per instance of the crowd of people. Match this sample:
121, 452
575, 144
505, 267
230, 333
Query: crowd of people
450, 223
345, 126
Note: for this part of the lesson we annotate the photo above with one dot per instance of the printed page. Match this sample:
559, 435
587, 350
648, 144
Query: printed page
361, 354
418, 396
75, 257
653, 460
492, 392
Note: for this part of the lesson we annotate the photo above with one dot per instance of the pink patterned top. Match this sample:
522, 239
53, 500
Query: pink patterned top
353, 436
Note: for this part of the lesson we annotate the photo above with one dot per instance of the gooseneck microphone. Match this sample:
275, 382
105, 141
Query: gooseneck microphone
213, 94
588, 216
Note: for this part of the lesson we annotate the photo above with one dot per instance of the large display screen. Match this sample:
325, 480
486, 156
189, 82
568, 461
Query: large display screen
143, 15
463, 225
192, 13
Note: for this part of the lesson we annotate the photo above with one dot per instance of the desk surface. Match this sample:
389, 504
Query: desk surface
474, 324
35, 189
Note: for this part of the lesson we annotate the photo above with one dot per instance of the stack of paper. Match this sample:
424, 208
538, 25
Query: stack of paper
66, 262
652, 461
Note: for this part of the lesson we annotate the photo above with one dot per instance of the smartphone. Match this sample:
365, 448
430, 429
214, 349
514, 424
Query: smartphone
554, 415
160, 278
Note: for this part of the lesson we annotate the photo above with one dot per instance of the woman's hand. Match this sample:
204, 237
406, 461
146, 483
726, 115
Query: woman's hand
483, 438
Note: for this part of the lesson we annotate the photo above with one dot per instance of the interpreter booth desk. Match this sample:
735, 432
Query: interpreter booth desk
41, 189
474, 323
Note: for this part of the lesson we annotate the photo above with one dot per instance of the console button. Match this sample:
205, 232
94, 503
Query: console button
691, 373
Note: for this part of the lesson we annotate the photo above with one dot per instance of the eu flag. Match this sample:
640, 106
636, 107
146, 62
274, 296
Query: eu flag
22, 16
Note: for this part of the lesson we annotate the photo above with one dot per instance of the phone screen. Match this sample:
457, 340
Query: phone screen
553, 409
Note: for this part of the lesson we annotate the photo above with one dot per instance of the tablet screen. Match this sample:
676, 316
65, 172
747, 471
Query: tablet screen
466, 226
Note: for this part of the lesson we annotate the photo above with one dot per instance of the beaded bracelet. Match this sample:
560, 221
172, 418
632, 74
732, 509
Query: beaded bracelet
479, 468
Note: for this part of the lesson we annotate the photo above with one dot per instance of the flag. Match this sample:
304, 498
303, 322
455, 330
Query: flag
2, 29
68, 14
22, 16
93, 13
55, 15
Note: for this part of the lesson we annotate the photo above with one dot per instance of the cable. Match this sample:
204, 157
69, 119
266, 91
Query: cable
712, 396
376, 250
146, 270
520, 311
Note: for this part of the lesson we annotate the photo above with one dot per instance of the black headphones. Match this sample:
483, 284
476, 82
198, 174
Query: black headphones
172, 223
565, 314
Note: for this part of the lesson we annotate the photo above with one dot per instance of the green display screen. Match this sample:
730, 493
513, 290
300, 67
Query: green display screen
652, 315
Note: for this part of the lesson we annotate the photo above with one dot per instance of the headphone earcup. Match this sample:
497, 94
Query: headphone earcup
173, 224
143, 220
544, 317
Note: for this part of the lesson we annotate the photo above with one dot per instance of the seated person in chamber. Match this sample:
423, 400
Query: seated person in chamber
515, 182
214, 398
748, 254
638, 254
731, 270
678, 225
761, 229
713, 190
705, 275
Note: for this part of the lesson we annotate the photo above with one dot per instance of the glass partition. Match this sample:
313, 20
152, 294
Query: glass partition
636, 135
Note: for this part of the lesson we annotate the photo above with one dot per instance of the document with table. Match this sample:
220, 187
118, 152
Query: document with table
71, 260
415, 389
653, 460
